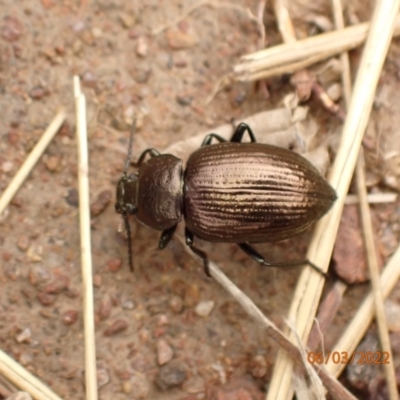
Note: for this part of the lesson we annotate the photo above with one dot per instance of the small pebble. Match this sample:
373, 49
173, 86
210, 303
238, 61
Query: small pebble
38, 92
117, 326
38, 275
46, 299
24, 336
53, 163
87, 37
180, 63
165, 352
171, 375
127, 20
11, 29
194, 385
176, 304
97, 280
114, 264
102, 200
25, 358
105, 308
89, 79
192, 295
69, 317
23, 242
204, 308
140, 384
126, 387
184, 100
142, 47
17, 202
97, 32
334, 91
128, 304
178, 40
259, 366
141, 74
162, 320
7, 166
60, 283
72, 197
103, 377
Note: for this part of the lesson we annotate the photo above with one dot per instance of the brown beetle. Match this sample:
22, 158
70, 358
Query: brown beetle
230, 192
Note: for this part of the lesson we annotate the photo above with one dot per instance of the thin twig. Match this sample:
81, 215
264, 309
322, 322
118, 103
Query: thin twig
86, 256
288, 57
24, 380
304, 306
365, 314
344, 57
373, 198
335, 388
369, 241
374, 275
31, 160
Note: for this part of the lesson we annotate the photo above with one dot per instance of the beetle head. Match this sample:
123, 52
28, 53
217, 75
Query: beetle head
127, 189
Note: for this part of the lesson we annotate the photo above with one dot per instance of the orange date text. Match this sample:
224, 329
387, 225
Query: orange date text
344, 357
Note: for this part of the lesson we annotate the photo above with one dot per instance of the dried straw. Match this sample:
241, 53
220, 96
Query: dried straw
296, 354
9, 368
24, 380
365, 314
309, 288
374, 275
86, 255
31, 160
290, 57
369, 241
373, 198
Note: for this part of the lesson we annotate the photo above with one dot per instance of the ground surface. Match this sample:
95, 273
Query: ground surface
142, 320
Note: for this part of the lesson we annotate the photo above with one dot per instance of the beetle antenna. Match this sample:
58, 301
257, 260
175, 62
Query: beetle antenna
125, 215
128, 158
128, 231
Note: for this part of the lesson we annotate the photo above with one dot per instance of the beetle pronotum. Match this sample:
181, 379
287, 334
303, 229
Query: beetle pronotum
230, 192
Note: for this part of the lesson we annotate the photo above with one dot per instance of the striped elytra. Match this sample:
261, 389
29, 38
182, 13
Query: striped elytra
235, 192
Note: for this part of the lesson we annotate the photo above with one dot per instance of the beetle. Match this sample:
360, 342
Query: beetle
230, 191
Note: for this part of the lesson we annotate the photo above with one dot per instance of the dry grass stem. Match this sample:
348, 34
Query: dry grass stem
24, 380
9, 368
374, 275
344, 57
367, 224
309, 288
372, 198
365, 314
289, 57
334, 387
86, 254
285, 25
31, 160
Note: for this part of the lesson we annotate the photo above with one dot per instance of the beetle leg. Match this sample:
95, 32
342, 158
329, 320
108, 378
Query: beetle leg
189, 237
261, 260
152, 152
240, 131
166, 237
208, 139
